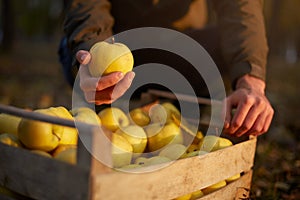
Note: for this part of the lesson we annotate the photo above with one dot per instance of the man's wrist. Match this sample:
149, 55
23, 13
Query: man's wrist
251, 83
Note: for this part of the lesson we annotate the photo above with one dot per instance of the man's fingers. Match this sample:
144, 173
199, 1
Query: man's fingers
110, 94
249, 122
83, 57
240, 115
109, 80
99, 97
267, 123
123, 85
264, 127
89, 83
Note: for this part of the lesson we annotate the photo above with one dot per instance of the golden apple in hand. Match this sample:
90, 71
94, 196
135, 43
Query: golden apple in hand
10, 139
213, 143
173, 151
9, 123
160, 135
40, 135
122, 151
113, 118
86, 115
110, 57
139, 117
136, 136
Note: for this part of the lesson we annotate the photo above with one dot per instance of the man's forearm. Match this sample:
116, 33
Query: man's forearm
86, 23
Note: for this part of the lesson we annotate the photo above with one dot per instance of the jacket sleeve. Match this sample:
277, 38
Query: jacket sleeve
243, 37
87, 22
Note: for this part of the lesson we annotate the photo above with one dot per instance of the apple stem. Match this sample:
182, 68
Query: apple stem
59, 138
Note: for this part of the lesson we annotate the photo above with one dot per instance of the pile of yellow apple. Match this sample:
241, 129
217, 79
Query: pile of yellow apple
50, 140
145, 137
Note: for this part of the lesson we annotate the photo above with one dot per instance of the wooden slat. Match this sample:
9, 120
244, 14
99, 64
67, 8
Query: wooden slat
236, 190
181, 177
40, 177
184, 97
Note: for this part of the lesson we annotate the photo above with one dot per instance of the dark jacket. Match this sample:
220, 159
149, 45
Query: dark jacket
241, 24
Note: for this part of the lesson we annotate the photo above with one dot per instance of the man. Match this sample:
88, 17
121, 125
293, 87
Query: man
242, 43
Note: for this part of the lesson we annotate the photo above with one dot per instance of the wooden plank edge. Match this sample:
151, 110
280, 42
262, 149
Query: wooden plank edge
239, 189
169, 182
40, 177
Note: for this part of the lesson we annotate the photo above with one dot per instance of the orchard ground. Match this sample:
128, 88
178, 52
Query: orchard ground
31, 77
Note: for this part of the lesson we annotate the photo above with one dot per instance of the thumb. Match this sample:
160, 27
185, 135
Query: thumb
83, 57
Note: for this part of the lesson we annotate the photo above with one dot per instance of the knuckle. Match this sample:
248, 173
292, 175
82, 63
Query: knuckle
259, 102
249, 100
236, 124
245, 127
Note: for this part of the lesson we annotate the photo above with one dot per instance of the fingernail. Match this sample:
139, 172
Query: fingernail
131, 76
82, 58
226, 124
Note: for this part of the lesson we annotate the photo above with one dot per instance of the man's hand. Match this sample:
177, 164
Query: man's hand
105, 89
253, 113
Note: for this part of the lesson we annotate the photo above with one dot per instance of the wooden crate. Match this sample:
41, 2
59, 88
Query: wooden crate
38, 177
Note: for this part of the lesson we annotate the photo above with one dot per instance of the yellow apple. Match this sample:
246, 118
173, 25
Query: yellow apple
42, 153
173, 151
184, 197
157, 160
10, 139
141, 160
196, 195
213, 143
69, 155
121, 151
113, 118
40, 135
233, 178
9, 123
192, 148
194, 153
62, 147
214, 187
110, 57
139, 117
162, 113
161, 135
129, 167
136, 136
87, 115
70, 134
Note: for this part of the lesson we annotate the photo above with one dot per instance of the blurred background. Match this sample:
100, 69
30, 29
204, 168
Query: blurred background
31, 77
